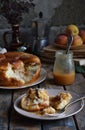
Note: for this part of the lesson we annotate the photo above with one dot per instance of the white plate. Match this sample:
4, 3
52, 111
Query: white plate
74, 109
42, 77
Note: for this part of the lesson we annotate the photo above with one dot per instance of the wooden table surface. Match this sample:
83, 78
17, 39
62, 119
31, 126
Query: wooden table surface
11, 120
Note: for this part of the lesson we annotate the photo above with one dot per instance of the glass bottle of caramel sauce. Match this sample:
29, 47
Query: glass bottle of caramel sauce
64, 68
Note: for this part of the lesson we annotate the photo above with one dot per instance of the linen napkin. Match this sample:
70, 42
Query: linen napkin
80, 69
3, 50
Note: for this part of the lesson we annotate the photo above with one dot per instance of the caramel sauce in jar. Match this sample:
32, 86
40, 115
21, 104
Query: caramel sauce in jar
64, 69
64, 79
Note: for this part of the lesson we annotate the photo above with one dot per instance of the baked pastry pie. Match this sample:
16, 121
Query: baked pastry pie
60, 101
18, 68
35, 99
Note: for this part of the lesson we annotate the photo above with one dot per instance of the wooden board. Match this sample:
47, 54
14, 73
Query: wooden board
77, 53
79, 47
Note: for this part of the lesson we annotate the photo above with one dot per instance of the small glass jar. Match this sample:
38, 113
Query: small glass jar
64, 69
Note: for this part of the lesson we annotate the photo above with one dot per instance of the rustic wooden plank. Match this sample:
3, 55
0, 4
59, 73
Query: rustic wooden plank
5, 103
19, 122
80, 117
60, 128
79, 88
55, 124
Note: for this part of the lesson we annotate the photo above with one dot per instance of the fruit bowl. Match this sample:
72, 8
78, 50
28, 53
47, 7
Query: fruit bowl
61, 41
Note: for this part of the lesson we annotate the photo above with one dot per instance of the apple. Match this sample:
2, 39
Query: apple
61, 39
72, 29
77, 40
82, 34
